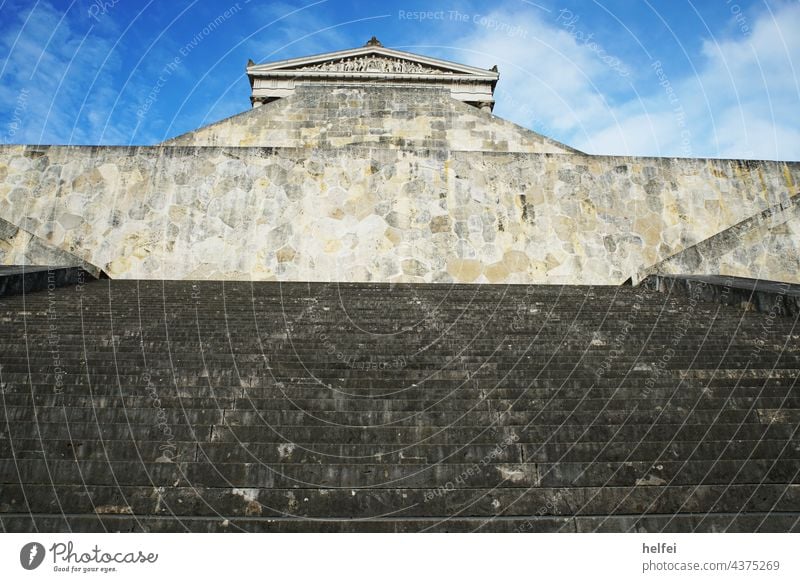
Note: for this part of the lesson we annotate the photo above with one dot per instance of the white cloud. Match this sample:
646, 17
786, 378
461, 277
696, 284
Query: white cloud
753, 87
545, 73
742, 102
59, 70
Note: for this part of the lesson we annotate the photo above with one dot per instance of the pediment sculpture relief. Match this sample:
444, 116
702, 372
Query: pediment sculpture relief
372, 64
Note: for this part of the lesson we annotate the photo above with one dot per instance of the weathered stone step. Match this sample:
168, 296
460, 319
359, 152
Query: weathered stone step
586, 355
413, 503
458, 342
513, 475
533, 433
363, 300
758, 522
573, 386
321, 307
325, 309
359, 383
373, 418
613, 450
581, 357
402, 435
559, 315
707, 400
330, 312
404, 318
535, 397
353, 295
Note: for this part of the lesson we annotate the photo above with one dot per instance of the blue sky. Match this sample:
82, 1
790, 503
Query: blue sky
711, 78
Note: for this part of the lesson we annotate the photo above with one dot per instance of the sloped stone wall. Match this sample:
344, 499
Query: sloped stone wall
19, 247
320, 117
765, 246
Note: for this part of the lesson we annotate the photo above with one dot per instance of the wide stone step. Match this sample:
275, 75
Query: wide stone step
475, 415
407, 502
513, 475
701, 522
318, 453
454, 400
694, 382
724, 522
402, 435
537, 338
374, 386
391, 360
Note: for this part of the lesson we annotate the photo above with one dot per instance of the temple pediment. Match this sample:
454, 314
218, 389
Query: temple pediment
372, 64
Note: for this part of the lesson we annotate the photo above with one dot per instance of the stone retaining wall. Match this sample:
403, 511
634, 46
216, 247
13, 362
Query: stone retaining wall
358, 213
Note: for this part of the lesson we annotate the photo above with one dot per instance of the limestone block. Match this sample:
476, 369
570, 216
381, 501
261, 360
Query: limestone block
464, 270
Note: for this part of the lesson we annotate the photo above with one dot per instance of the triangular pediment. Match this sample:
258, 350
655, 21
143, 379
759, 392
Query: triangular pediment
372, 59
373, 62
375, 65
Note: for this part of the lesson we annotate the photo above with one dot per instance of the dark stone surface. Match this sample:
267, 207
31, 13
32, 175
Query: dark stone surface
770, 297
17, 280
210, 406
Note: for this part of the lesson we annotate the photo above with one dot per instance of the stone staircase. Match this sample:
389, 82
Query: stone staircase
210, 406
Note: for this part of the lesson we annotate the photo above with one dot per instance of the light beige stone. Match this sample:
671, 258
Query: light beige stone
394, 235
333, 246
414, 267
69, 221
285, 254
440, 224
497, 273
464, 270
516, 261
